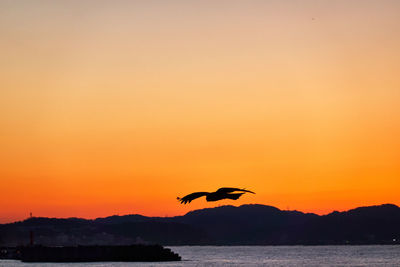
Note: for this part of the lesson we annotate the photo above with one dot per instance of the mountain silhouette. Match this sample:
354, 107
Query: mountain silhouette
227, 225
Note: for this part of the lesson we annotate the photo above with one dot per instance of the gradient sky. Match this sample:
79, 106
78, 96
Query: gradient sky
117, 107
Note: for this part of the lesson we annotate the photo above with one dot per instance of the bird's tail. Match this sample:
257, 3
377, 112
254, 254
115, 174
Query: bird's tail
234, 196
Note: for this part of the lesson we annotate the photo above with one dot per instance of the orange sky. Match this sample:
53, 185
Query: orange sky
117, 107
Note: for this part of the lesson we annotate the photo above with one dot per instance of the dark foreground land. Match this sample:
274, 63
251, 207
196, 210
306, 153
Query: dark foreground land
141, 253
227, 225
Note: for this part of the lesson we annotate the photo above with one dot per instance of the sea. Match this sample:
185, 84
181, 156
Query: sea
384, 255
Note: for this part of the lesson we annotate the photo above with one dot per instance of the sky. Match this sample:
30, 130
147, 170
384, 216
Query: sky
118, 107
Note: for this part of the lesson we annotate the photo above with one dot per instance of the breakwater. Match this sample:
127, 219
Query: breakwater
93, 253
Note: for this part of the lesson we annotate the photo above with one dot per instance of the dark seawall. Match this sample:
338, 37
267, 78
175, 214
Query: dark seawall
138, 253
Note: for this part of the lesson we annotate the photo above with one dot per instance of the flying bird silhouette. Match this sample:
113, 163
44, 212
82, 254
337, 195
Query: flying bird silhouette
222, 193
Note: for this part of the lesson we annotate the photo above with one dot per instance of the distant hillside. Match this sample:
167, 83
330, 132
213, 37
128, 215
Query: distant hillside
227, 225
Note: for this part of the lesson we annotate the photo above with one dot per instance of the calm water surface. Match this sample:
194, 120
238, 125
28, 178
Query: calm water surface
262, 256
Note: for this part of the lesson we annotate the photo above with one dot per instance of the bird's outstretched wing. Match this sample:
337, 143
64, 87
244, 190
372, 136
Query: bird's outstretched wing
190, 197
232, 189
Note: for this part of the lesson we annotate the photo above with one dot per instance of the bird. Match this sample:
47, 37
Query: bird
222, 193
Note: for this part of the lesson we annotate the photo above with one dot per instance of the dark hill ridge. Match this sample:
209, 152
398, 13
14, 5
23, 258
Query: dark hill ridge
123, 219
227, 225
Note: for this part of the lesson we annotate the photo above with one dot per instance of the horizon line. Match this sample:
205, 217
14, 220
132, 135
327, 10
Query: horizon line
136, 214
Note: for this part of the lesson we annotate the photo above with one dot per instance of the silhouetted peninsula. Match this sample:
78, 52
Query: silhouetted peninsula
226, 225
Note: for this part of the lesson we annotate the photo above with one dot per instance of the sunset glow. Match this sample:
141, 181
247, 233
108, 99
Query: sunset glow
118, 107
